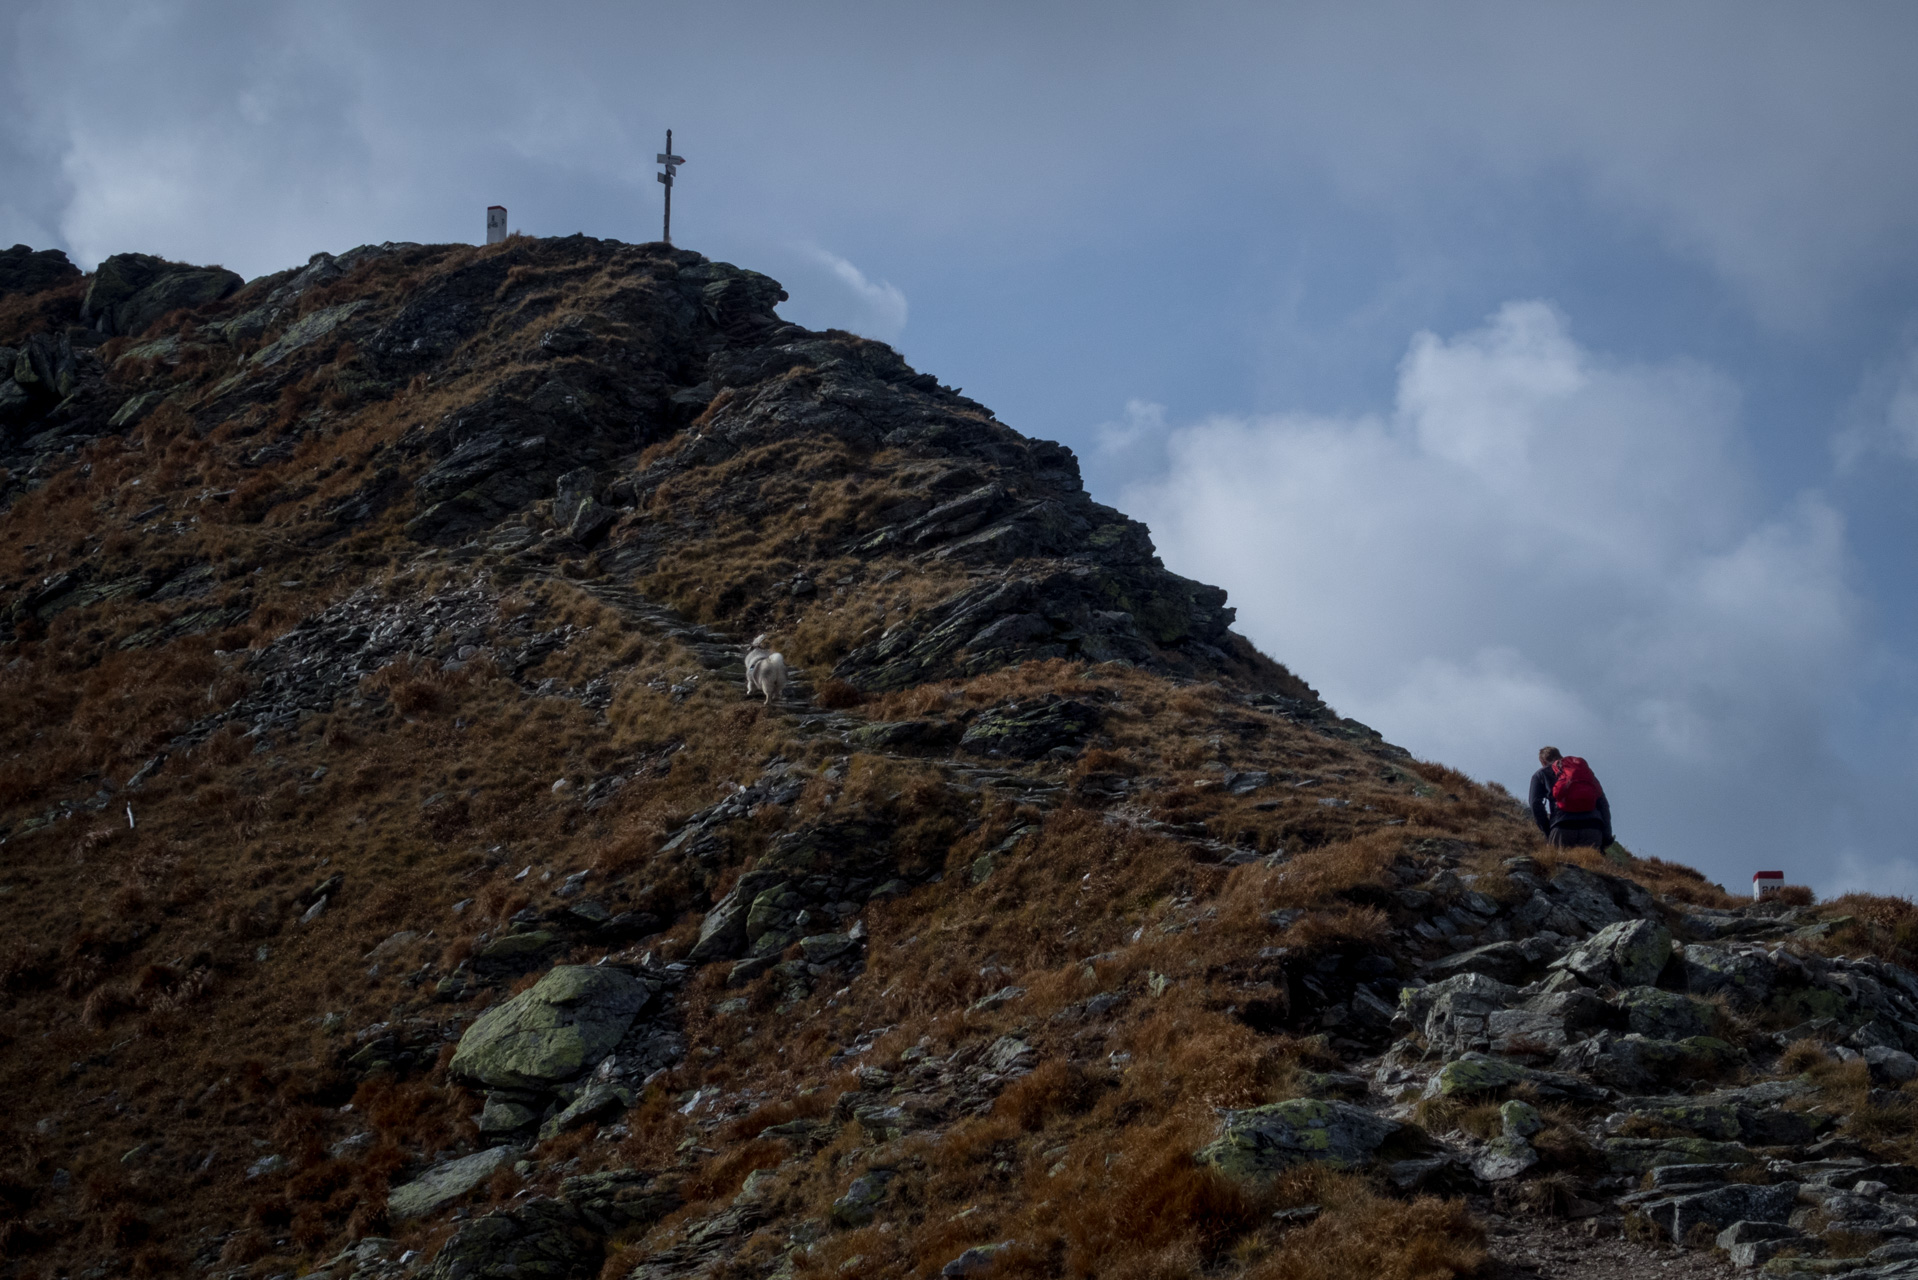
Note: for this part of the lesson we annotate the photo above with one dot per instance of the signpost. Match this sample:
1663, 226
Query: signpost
672, 163
495, 223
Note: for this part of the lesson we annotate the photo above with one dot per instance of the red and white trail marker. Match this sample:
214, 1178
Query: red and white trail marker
1766, 883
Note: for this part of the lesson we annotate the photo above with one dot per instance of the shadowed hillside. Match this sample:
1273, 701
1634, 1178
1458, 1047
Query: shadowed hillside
397, 881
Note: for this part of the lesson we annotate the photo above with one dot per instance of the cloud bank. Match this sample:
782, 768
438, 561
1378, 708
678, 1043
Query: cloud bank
1542, 545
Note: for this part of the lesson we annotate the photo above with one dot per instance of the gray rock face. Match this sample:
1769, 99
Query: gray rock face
1456, 1014
443, 1184
1629, 953
554, 1032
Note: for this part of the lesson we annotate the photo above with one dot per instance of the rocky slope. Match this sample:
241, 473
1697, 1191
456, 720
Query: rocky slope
397, 882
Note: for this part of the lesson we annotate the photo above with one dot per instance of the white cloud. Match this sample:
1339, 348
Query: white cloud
884, 305
1540, 544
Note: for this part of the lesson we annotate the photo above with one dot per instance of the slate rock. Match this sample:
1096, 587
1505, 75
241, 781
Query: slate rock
1630, 953
555, 1031
1028, 730
1722, 1206
445, 1183
1263, 1141
543, 1239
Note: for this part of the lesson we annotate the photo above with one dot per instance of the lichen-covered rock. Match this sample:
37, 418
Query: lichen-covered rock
445, 1183
1263, 1141
543, 1239
1744, 978
1630, 953
555, 1031
1520, 1119
1503, 1158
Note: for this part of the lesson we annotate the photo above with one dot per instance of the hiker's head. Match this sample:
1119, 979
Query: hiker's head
1548, 756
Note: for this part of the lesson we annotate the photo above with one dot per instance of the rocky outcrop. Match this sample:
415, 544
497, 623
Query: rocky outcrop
132, 290
555, 1032
23, 270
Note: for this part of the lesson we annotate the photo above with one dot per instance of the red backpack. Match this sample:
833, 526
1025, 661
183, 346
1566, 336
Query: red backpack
1574, 786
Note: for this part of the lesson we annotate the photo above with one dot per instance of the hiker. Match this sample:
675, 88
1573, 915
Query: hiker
1568, 804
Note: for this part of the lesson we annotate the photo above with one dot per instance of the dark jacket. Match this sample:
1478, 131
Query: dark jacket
1545, 813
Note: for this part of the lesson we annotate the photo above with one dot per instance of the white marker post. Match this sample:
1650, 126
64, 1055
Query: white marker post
495, 223
1766, 883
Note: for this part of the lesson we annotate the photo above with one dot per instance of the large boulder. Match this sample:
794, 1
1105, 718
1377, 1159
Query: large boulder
542, 1239
1630, 953
1267, 1140
22, 270
554, 1032
132, 290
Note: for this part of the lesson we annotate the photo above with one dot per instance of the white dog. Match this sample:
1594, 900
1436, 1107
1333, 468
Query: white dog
765, 670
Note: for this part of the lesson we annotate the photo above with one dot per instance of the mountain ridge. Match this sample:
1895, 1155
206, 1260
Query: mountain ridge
398, 881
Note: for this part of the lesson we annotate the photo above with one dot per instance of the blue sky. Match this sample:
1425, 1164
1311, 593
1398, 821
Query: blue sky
1526, 372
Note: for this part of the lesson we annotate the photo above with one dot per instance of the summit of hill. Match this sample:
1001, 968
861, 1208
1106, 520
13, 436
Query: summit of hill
397, 879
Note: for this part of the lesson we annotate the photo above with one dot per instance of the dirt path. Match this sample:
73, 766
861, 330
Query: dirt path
1548, 1249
